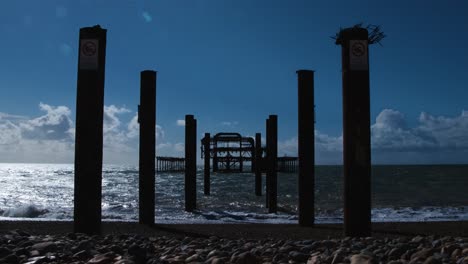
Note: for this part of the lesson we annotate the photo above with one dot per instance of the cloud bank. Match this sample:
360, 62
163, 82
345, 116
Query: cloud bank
435, 139
49, 138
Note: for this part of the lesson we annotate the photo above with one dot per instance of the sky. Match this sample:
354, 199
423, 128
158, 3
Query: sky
231, 64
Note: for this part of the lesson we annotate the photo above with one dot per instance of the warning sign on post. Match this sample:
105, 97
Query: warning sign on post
89, 54
358, 56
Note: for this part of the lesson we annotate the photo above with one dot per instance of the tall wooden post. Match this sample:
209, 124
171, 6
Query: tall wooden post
356, 132
89, 130
272, 156
306, 147
147, 120
267, 164
258, 164
190, 163
206, 147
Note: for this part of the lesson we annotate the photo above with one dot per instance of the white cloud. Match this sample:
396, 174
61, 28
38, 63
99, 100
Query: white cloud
111, 120
435, 139
180, 122
50, 137
54, 125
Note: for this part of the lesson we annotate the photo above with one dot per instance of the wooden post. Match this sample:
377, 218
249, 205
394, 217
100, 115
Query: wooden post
89, 130
306, 147
190, 163
356, 132
272, 156
207, 157
258, 164
147, 120
267, 165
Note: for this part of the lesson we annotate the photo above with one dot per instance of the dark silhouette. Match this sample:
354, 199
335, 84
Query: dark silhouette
206, 149
306, 147
258, 164
147, 166
354, 43
190, 163
271, 163
231, 150
89, 130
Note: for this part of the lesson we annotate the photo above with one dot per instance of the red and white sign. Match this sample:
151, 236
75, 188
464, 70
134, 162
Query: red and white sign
89, 54
358, 55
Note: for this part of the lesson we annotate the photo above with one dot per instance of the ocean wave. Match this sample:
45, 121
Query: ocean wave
24, 211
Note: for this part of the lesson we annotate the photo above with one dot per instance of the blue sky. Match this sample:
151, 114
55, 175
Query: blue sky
231, 64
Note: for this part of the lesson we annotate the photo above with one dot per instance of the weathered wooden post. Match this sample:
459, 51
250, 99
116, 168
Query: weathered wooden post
206, 147
356, 131
266, 165
89, 130
258, 164
306, 147
190, 163
272, 157
147, 166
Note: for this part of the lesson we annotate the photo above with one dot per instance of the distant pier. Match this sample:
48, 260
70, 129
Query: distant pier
170, 164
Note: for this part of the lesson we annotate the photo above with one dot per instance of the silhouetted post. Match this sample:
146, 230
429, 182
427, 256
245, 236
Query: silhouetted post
356, 132
89, 132
266, 163
206, 146
272, 156
306, 147
190, 163
147, 120
258, 165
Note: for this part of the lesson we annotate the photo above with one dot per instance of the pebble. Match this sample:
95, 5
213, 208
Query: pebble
20, 247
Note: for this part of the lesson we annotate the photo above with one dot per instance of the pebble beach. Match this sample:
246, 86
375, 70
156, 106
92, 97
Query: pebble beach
54, 242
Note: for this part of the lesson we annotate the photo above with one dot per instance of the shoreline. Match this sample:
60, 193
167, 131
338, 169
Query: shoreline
245, 230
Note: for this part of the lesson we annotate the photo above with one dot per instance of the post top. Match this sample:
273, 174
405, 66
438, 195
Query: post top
305, 71
148, 72
352, 33
93, 29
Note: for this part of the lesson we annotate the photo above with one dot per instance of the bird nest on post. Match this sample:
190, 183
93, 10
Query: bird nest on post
375, 34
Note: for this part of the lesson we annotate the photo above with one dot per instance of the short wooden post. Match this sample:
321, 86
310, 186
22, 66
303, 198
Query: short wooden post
206, 147
147, 119
89, 130
258, 164
190, 163
306, 147
272, 156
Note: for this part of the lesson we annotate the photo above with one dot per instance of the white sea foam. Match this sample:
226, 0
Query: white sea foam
26, 211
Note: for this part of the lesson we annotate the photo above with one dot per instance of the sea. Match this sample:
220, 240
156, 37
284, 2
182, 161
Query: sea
399, 193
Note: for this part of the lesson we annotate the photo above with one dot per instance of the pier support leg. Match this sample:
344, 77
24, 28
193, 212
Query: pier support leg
306, 147
190, 163
356, 132
272, 156
207, 157
89, 130
147, 119
258, 165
